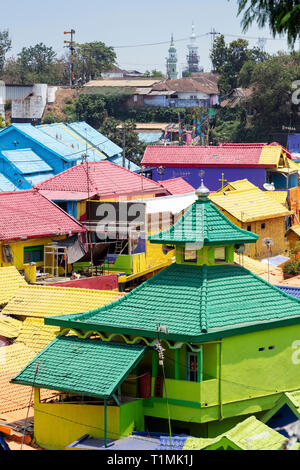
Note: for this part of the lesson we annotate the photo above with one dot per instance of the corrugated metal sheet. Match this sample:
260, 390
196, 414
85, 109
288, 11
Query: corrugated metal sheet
37, 178
128, 164
149, 137
26, 161
58, 147
14, 92
96, 138
6, 184
61, 133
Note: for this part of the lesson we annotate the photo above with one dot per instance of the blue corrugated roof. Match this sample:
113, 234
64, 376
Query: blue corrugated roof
6, 184
37, 178
26, 161
56, 146
61, 133
290, 290
96, 138
275, 260
129, 165
149, 137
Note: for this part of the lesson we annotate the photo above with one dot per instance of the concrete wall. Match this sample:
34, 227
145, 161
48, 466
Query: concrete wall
2, 98
30, 108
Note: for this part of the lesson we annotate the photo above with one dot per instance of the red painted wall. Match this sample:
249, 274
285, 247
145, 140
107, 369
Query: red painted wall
108, 282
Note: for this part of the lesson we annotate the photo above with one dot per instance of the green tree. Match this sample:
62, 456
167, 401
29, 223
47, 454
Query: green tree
5, 46
91, 59
154, 74
90, 108
134, 148
283, 16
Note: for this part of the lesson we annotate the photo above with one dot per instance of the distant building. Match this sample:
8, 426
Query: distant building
172, 61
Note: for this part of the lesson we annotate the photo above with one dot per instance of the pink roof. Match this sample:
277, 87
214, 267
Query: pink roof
31, 215
177, 186
205, 156
104, 179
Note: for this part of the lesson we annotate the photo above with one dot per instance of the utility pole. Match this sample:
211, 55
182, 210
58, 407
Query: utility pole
213, 34
124, 144
71, 47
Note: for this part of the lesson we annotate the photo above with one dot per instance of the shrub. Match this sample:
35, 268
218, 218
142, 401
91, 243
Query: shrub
291, 267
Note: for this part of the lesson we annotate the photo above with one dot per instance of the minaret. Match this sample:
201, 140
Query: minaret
193, 57
172, 61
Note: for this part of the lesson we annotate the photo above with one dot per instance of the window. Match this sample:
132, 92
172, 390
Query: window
263, 226
33, 254
192, 369
190, 255
220, 255
249, 228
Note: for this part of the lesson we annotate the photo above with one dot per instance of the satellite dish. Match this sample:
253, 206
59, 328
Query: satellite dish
239, 248
167, 248
269, 186
268, 242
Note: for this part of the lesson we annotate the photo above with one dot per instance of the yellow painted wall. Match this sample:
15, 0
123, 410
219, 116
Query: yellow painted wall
56, 425
292, 238
17, 248
274, 228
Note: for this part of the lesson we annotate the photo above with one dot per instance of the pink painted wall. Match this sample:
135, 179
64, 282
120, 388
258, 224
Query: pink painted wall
108, 282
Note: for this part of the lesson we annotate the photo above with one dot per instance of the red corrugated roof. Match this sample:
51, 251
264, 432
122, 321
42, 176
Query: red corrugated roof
205, 156
104, 179
177, 186
29, 214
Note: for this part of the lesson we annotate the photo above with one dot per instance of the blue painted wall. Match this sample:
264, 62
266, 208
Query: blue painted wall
294, 143
212, 176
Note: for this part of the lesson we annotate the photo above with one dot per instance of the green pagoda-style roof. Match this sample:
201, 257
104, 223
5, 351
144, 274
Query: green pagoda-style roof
85, 366
203, 224
196, 303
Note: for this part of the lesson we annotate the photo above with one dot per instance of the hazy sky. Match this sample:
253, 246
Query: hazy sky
125, 23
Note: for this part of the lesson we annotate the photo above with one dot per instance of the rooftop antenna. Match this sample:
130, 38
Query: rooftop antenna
268, 242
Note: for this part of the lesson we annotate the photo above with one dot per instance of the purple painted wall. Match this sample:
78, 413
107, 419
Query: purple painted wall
212, 176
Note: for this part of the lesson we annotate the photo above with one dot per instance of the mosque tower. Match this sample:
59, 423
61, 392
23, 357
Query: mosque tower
192, 57
172, 61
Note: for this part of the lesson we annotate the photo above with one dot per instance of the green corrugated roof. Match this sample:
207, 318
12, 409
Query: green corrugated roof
203, 224
250, 434
84, 366
193, 302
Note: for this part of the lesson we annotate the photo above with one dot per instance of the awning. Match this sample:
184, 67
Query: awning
85, 366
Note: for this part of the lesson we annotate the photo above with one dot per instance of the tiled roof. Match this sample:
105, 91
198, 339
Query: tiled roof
104, 178
9, 327
201, 84
249, 205
278, 196
238, 185
290, 290
29, 214
87, 366
249, 434
270, 155
177, 186
205, 156
14, 397
35, 334
42, 301
218, 301
204, 224
10, 281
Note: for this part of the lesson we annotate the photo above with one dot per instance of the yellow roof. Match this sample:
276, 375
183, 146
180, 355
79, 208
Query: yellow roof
238, 185
9, 327
10, 280
296, 229
14, 358
279, 196
253, 265
35, 334
249, 205
292, 165
43, 301
270, 155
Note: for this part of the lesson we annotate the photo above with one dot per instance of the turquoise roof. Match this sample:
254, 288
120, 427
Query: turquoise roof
196, 303
26, 161
61, 133
96, 138
85, 366
203, 224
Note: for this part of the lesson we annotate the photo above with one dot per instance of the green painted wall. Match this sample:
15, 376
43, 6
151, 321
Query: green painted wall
206, 255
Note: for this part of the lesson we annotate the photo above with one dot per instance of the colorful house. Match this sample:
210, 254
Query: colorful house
29, 222
229, 346
85, 190
31, 154
261, 163
262, 212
